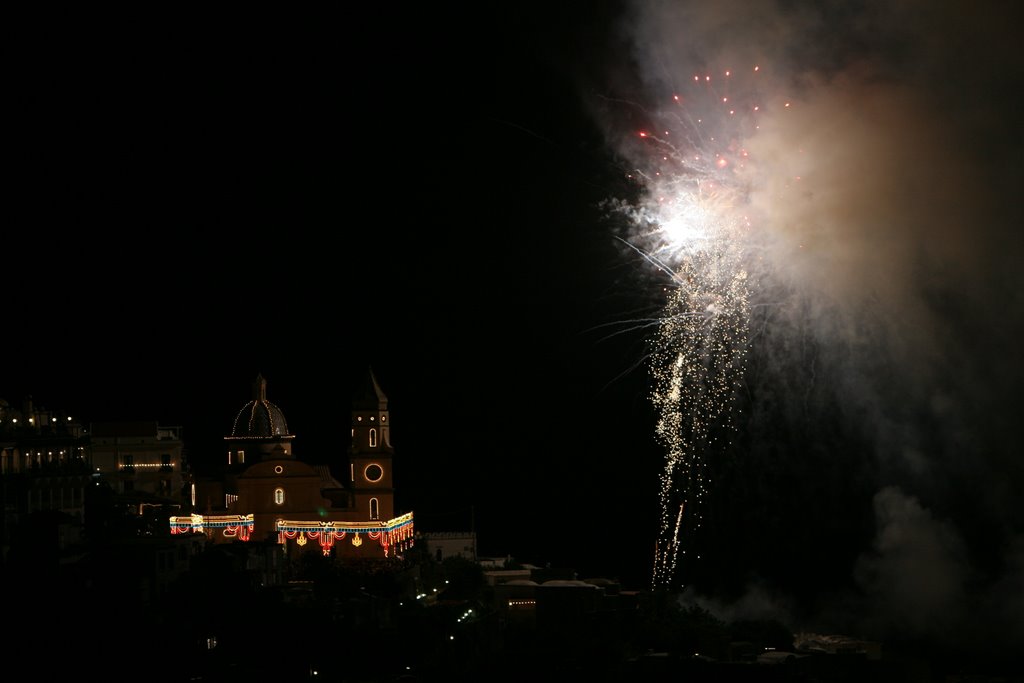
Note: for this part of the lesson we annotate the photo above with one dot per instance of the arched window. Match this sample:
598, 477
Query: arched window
279, 496
373, 438
374, 509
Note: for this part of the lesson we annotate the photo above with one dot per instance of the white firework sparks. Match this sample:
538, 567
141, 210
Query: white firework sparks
692, 225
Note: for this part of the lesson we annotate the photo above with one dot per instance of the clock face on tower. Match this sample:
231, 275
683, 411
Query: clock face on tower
373, 472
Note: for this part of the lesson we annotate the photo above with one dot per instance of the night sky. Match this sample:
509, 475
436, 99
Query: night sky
196, 199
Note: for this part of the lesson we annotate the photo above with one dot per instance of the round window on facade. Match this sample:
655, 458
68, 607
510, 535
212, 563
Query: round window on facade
373, 472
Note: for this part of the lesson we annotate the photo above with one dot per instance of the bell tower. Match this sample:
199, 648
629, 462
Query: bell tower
371, 454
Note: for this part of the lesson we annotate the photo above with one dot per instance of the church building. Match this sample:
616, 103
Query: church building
263, 491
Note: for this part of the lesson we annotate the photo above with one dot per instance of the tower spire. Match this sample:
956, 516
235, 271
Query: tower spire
370, 396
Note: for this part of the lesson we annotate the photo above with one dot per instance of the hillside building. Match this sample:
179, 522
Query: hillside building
262, 490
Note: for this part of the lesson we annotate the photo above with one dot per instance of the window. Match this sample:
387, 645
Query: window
128, 461
373, 438
241, 457
373, 472
279, 496
374, 509
165, 461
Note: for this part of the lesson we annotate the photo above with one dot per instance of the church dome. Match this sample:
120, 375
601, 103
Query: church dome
259, 418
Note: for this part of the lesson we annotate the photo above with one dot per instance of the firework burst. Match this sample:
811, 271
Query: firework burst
693, 225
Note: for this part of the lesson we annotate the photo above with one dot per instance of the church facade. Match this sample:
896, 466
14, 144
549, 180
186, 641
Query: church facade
263, 491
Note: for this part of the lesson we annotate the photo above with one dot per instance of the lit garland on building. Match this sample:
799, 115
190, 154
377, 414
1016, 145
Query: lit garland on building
397, 532
239, 526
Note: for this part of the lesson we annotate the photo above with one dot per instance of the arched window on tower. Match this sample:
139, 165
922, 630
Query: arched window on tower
279, 496
373, 438
374, 509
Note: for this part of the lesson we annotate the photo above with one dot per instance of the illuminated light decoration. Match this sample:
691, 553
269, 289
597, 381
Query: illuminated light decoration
397, 532
183, 524
239, 531
239, 526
